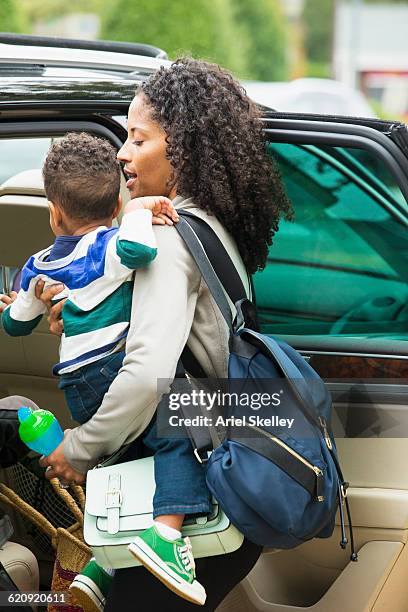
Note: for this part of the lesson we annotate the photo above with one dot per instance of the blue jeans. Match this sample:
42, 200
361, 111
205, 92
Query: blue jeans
180, 479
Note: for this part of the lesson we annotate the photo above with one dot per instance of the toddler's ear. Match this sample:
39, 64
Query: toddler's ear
118, 207
55, 215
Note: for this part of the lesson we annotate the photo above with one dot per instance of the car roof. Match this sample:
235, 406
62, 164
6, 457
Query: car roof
80, 58
38, 84
45, 68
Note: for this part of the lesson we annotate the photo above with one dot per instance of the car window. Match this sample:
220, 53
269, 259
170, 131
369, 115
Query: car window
341, 267
375, 168
20, 154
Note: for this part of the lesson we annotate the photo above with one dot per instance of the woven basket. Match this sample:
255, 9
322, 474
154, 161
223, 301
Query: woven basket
30, 484
71, 553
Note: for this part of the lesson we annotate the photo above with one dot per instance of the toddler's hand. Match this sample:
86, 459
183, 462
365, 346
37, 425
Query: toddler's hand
162, 209
5, 300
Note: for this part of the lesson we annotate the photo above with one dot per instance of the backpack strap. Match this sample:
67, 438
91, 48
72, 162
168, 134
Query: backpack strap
226, 273
200, 257
218, 255
203, 439
214, 264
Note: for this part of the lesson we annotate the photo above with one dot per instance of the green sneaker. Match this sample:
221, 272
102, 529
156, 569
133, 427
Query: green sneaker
91, 587
171, 561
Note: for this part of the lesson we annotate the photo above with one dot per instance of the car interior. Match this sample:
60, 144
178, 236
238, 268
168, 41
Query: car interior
336, 277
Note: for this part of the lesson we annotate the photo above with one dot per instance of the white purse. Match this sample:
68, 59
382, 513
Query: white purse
119, 505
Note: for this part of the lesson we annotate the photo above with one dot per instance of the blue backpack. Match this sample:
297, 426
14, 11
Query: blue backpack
278, 488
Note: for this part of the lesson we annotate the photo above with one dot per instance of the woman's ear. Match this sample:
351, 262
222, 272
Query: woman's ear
118, 207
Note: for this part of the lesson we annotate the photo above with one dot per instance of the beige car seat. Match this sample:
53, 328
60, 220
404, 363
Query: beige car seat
21, 565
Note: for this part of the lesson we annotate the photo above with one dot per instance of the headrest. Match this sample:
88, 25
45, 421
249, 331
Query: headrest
28, 182
24, 218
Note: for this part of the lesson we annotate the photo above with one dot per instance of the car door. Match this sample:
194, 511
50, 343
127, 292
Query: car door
335, 286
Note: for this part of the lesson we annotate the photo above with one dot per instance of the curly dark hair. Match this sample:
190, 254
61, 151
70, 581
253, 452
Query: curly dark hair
216, 147
82, 175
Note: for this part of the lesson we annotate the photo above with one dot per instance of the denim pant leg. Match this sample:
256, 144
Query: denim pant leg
85, 387
180, 479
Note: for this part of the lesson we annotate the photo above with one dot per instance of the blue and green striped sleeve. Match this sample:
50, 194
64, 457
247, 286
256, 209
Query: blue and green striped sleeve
13, 327
134, 255
136, 243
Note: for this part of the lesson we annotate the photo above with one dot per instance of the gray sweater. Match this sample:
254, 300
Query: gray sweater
171, 306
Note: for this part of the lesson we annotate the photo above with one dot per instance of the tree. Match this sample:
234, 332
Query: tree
10, 17
262, 26
202, 28
38, 10
318, 22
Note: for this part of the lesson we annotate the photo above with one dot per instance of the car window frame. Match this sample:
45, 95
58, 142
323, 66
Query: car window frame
303, 132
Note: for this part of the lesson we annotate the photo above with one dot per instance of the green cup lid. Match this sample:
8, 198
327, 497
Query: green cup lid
33, 423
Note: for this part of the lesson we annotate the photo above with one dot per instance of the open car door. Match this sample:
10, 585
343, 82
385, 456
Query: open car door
336, 287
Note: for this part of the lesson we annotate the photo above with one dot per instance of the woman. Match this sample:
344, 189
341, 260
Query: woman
194, 136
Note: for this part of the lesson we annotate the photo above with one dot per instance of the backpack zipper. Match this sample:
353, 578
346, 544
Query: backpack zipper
314, 468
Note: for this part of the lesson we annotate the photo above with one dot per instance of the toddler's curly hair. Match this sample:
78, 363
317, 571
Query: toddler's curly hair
82, 175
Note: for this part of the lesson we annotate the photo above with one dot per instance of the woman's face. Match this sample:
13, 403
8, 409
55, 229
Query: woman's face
144, 154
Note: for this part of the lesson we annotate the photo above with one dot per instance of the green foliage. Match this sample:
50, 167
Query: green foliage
11, 19
246, 36
44, 10
321, 70
318, 22
262, 27
202, 28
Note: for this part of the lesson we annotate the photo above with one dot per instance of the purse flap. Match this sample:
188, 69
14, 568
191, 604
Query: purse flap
129, 486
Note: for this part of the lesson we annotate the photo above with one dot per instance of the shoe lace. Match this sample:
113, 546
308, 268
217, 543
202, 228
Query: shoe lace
186, 555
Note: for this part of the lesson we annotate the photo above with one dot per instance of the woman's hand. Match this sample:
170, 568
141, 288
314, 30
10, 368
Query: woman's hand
58, 466
6, 300
54, 310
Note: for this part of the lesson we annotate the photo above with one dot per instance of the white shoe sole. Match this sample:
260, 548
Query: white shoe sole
195, 592
87, 593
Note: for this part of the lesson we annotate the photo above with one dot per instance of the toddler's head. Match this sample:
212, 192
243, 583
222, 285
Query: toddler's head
82, 182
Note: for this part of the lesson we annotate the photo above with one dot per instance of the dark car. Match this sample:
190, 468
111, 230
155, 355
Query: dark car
335, 287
